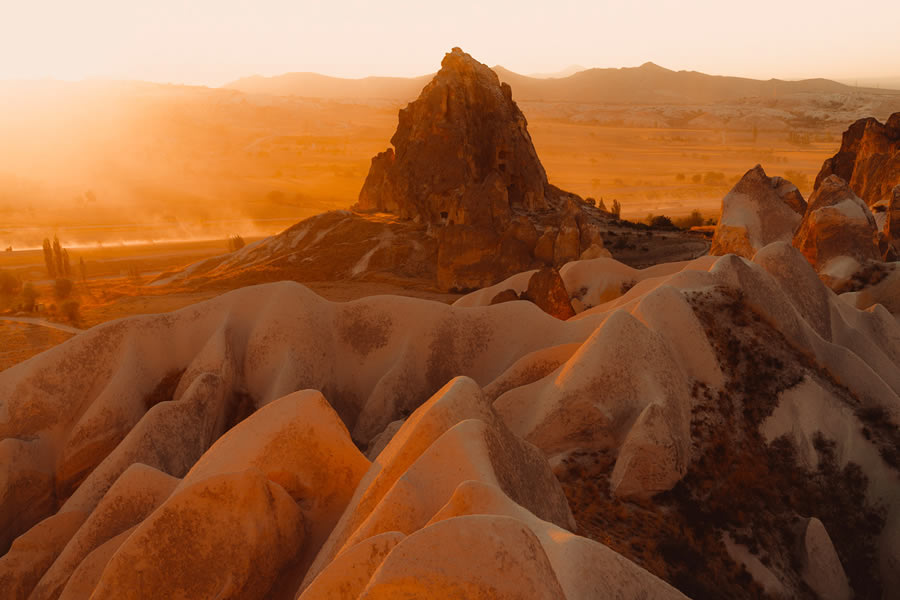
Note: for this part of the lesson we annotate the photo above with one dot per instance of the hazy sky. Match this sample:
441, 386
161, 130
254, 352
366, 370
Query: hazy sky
215, 41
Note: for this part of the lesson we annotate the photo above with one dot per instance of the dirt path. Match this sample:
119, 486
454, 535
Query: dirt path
43, 323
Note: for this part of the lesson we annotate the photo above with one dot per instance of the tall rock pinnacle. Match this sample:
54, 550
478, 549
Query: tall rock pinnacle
461, 155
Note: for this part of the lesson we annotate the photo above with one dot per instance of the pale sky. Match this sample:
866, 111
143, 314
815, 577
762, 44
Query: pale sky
212, 42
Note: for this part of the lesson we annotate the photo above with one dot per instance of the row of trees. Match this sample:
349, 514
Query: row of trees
10, 285
615, 209
56, 258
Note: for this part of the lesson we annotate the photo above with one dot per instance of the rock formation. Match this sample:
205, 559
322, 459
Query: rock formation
462, 154
837, 225
686, 404
757, 211
869, 159
463, 161
547, 290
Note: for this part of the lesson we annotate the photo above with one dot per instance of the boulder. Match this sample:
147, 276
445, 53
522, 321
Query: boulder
547, 290
757, 211
507, 295
868, 160
837, 224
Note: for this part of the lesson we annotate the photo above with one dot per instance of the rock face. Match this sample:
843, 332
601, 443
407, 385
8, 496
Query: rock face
462, 153
757, 211
869, 159
892, 222
837, 224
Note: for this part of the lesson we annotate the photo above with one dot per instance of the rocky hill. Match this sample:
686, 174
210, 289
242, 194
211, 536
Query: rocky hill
461, 201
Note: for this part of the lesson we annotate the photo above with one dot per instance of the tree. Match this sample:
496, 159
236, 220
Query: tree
58, 257
69, 310
48, 258
29, 297
661, 221
63, 267
9, 283
235, 242
67, 266
616, 209
82, 269
62, 288
695, 219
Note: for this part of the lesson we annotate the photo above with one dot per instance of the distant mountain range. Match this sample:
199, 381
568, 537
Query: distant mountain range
647, 84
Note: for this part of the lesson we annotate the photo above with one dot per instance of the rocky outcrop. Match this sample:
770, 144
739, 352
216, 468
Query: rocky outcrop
757, 211
837, 224
547, 290
462, 154
869, 159
463, 162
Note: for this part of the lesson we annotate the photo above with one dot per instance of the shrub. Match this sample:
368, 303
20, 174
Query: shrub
696, 178
9, 283
48, 258
616, 209
29, 297
695, 219
62, 288
661, 221
69, 310
714, 178
658, 221
679, 177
